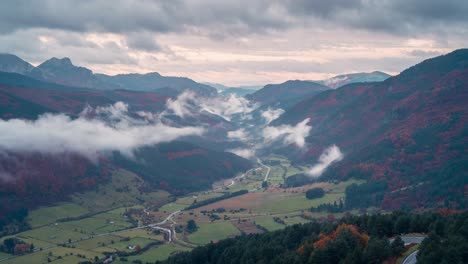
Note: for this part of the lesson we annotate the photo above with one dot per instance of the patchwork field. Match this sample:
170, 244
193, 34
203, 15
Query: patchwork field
213, 232
157, 253
102, 221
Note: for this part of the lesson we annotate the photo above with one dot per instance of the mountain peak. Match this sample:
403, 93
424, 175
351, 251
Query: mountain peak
154, 74
12, 63
56, 62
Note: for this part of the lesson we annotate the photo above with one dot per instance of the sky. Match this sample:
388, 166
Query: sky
235, 42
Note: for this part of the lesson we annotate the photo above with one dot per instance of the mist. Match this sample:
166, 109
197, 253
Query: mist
111, 130
288, 134
244, 153
329, 156
189, 104
271, 114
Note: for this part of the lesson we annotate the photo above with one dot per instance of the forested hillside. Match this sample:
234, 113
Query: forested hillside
409, 133
353, 239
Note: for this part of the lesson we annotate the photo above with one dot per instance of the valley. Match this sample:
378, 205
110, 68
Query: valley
138, 168
132, 225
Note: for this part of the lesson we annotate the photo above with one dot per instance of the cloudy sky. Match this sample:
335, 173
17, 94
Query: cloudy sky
235, 42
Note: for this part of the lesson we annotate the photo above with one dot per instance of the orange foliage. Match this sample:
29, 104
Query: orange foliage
322, 242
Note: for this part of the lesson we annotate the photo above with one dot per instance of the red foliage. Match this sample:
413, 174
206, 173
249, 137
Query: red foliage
181, 154
324, 239
22, 248
39, 179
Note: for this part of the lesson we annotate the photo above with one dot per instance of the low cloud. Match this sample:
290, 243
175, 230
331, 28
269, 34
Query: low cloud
183, 105
111, 130
245, 153
329, 156
288, 134
239, 134
271, 114
227, 107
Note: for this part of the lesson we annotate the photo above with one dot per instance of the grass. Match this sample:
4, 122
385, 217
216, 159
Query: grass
141, 233
188, 200
268, 223
52, 234
97, 224
123, 245
407, 253
286, 202
48, 215
171, 207
4, 255
292, 170
122, 190
158, 253
97, 242
64, 253
295, 220
213, 231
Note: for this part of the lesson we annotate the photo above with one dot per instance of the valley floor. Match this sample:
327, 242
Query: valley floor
117, 218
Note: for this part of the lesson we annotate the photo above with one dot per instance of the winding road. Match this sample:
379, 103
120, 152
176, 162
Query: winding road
411, 259
171, 234
265, 166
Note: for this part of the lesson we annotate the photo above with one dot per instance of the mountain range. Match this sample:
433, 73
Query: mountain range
409, 130
62, 71
406, 136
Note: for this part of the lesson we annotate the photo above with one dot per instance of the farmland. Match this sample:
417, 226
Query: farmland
103, 221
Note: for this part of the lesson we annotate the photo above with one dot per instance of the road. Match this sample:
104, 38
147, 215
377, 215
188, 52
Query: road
265, 166
171, 234
411, 259
411, 239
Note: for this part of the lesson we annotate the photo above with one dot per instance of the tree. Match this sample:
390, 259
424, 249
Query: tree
377, 251
397, 246
315, 193
192, 226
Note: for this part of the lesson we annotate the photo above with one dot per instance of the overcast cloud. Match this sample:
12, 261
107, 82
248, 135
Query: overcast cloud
235, 42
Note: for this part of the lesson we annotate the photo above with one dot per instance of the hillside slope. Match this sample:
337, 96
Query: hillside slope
286, 94
410, 132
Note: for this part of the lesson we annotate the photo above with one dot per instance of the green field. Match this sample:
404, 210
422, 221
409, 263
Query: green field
291, 202
171, 207
123, 245
158, 253
268, 223
213, 231
121, 191
141, 233
57, 255
102, 211
48, 215
96, 242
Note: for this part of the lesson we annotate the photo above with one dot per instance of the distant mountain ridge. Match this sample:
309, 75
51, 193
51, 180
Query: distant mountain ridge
287, 94
362, 77
237, 90
154, 81
62, 71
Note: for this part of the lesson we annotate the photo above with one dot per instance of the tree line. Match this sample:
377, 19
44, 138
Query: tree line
352, 239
